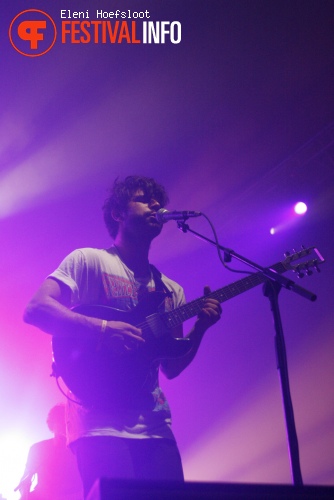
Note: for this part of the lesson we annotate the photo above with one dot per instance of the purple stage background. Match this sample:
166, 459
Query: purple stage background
237, 121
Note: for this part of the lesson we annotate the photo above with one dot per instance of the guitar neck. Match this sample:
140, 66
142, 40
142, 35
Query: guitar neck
178, 316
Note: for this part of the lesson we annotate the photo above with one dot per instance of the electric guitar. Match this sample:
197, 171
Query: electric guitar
102, 376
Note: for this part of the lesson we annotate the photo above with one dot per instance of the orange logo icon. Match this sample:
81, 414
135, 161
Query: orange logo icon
32, 33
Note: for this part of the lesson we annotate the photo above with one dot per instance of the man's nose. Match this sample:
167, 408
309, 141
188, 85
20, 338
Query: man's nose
154, 204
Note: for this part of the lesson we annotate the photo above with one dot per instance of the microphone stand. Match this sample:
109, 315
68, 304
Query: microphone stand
272, 286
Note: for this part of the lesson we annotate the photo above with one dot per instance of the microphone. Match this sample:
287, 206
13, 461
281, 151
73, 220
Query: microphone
164, 215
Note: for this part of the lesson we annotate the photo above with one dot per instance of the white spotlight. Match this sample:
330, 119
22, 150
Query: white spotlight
300, 208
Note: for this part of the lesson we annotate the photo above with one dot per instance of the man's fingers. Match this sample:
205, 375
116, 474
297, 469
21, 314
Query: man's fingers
126, 330
212, 309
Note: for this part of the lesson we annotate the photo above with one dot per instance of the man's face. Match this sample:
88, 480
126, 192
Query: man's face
140, 217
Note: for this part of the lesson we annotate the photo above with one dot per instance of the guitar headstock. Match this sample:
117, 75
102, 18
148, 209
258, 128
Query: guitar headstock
305, 263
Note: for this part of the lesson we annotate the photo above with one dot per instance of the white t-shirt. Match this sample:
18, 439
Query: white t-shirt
99, 276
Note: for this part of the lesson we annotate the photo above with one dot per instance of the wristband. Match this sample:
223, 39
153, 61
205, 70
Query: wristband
101, 336
103, 326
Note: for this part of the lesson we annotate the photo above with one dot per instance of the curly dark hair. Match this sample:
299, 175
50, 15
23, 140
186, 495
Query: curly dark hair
122, 192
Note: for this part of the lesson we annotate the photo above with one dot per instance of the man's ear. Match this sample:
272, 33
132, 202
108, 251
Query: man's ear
117, 215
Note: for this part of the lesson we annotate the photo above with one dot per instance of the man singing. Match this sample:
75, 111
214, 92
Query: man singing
129, 434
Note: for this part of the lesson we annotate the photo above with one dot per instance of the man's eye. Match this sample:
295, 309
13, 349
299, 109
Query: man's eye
141, 199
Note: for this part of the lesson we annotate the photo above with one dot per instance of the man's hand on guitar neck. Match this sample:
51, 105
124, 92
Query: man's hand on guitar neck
208, 316
210, 313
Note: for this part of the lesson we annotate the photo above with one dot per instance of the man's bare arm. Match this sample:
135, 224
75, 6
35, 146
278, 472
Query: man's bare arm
49, 311
208, 316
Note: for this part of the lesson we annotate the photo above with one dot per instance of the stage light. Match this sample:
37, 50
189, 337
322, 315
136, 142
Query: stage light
288, 217
300, 208
14, 450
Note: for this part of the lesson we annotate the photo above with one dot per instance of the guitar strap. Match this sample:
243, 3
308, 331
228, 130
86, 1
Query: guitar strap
159, 284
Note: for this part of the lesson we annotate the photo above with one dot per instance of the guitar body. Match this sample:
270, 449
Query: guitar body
111, 375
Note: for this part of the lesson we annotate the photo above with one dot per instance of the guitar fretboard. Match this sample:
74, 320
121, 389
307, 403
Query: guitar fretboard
191, 309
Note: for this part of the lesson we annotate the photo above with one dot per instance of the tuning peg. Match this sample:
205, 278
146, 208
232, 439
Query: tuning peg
286, 254
309, 272
299, 272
